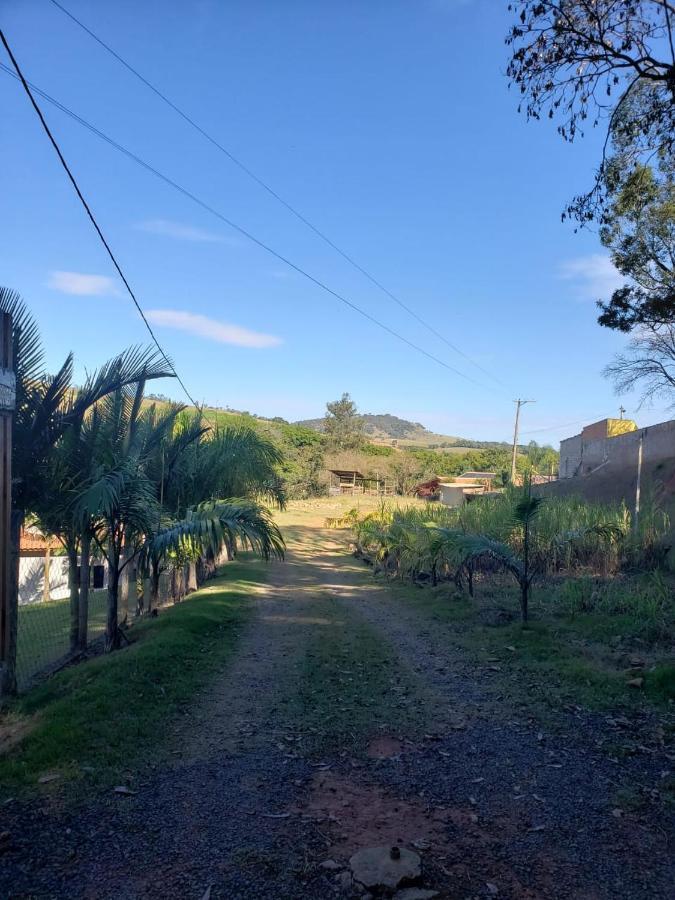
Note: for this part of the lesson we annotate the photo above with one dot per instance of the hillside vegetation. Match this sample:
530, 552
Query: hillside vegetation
387, 428
308, 453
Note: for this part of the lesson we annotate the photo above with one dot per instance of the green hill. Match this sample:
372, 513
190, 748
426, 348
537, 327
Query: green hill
385, 428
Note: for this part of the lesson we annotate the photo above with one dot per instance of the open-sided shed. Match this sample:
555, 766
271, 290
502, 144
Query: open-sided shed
351, 481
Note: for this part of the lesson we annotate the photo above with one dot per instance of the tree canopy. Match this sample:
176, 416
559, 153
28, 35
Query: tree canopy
342, 425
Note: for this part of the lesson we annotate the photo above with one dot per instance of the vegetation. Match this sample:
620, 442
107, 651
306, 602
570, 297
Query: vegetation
528, 537
145, 485
613, 62
90, 722
596, 62
343, 426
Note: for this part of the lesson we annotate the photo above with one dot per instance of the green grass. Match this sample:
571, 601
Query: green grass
44, 633
98, 718
353, 687
558, 658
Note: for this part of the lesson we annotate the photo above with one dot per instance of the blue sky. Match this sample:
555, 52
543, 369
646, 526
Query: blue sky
391, 127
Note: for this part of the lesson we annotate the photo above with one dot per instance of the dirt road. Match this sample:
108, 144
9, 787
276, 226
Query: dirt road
348, 721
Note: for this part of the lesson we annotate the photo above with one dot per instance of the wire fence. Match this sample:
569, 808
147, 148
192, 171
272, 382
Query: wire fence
43, 634
44, 621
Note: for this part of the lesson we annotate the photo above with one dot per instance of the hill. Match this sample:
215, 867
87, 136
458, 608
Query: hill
385, 428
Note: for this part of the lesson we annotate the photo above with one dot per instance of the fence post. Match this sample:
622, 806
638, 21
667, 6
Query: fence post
8, 611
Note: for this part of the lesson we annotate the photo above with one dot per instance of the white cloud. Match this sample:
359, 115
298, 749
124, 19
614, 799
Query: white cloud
594, 277
211, 329
81, 284
182, 232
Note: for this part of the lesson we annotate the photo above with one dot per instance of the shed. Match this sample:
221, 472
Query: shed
351, 481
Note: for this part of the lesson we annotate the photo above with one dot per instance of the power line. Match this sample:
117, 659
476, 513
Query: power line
564, 425
247, 234
87, 208
266, 187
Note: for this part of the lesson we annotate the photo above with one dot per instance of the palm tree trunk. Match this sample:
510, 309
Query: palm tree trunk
525, 581
112, 637
74, 590
124, 584
8, 661
83, 612
154, 585
524, 598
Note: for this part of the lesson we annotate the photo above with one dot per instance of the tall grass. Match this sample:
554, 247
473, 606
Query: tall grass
570, 535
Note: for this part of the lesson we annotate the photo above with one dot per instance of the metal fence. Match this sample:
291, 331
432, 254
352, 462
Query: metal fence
43, 632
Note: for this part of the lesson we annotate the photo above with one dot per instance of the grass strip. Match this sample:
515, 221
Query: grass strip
98, 718
557, 658
352, 686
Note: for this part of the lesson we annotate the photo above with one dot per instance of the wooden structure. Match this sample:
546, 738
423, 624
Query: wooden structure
350, 481
486, 478
8, 611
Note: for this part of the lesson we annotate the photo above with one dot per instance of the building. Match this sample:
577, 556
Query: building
43, 568
615, 443
456, 493
351, 481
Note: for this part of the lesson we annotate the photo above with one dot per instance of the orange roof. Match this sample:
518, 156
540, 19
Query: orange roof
32, 539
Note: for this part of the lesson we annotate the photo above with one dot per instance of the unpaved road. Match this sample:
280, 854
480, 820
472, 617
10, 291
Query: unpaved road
263, 780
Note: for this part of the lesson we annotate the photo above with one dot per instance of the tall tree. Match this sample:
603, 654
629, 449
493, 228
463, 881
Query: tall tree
121, 497
599, 62
343, 425
613, 64
638, 229
46, 408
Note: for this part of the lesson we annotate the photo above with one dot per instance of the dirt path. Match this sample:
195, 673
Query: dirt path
344, 722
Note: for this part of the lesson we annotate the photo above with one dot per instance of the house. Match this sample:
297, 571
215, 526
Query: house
43, 568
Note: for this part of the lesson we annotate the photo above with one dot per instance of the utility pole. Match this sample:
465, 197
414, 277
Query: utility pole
8, 610
518, 403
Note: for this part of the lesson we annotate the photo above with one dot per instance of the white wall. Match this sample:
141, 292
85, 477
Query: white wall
32, 578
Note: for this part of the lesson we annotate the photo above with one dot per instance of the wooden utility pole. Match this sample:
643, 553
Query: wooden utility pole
518, 403
7, 561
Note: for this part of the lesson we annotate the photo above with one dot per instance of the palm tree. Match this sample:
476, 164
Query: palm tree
47, 406
120, 498
200, 471
477, 547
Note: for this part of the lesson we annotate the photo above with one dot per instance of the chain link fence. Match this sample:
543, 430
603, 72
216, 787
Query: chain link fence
44, 621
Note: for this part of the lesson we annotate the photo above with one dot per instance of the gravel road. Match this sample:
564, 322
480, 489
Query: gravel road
235, 805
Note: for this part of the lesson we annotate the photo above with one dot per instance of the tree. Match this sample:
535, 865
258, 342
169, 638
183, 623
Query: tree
46, 408
614, 62
581, 61
639, 230
196, 469
521, 566
648, 364
343, 425
121, 497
